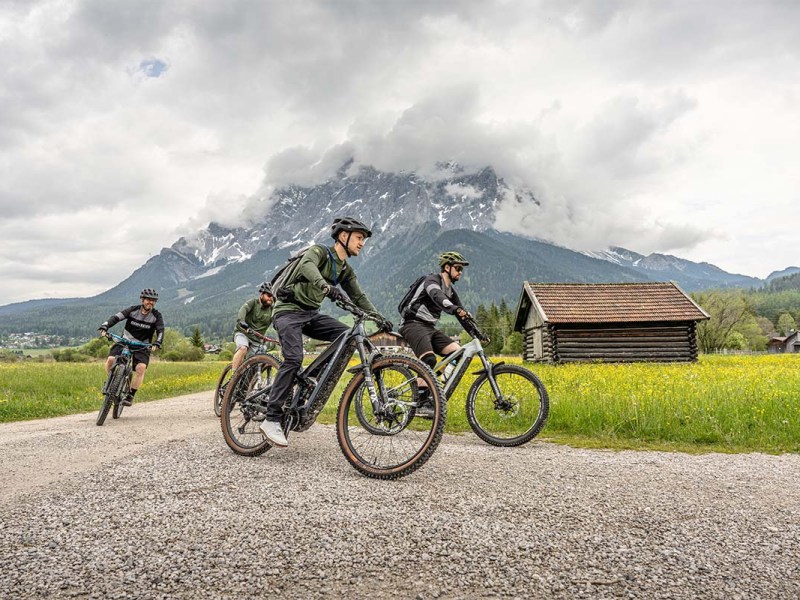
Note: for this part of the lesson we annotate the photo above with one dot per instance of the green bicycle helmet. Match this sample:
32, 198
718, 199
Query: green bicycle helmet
452, 258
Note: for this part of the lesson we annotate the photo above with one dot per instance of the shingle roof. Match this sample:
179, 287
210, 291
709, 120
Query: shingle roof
613, 302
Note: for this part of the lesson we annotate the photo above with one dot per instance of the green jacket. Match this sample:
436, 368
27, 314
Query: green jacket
314, 272
257, 316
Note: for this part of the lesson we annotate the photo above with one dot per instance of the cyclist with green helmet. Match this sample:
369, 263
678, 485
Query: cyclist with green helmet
433, 296
254, 315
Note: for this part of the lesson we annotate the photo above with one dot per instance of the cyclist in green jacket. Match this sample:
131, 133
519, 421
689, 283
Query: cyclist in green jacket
320, 270
254, 315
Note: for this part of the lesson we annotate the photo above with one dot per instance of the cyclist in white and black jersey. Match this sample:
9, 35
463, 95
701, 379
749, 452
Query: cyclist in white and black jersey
434, 295
142, 323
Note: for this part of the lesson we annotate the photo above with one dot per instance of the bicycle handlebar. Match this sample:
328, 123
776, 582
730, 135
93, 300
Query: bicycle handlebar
471, 325
126, 342
263, 338
376, 318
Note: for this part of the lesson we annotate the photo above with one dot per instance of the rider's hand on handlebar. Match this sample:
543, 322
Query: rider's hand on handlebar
334, 293
102, 331
460, 312
385, 325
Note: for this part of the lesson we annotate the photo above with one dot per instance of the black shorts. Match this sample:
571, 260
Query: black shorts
139, 356
424, 338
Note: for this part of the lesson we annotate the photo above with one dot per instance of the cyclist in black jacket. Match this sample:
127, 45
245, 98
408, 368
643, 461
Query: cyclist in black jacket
432, 297
142, 323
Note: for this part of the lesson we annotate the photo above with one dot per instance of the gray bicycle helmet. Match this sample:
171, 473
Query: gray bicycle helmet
149, 293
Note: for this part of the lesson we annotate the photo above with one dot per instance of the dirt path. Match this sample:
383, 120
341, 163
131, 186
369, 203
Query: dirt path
156, 506
42, 452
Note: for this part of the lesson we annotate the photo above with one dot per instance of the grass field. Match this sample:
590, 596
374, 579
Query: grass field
30, 390
720, 403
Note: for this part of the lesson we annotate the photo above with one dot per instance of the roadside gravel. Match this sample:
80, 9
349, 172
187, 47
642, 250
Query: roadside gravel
156, 506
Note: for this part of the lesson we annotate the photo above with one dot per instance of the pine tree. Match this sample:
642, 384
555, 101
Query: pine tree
197, 339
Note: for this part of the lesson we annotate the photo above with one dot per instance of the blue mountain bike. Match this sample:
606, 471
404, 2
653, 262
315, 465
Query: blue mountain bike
118, 382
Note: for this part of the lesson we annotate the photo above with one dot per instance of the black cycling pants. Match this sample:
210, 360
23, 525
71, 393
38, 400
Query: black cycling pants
291, 326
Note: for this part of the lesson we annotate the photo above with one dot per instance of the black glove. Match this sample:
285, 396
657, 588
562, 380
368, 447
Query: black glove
243, 326
386, 325
334, 293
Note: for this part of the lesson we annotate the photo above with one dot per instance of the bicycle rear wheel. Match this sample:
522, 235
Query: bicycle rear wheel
241, 417
386, 442
517, 416
222, 383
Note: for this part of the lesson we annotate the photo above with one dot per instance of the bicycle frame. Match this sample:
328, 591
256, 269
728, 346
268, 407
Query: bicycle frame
464, 356
315, 383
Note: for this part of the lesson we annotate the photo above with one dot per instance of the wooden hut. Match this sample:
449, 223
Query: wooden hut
785, 343
611, 322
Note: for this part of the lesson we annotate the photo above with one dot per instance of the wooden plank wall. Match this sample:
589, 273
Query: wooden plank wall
663, 342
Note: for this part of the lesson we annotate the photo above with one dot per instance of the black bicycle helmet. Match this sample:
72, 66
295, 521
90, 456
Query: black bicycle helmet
265, 288
452, 258
149, 293
348, 224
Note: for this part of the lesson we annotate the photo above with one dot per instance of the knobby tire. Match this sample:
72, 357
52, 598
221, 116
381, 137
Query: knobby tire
522, 388
233, 417
219, 391
347, 425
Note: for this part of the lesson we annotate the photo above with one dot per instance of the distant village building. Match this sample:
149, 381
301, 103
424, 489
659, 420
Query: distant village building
388, 343
781, 344
610, 322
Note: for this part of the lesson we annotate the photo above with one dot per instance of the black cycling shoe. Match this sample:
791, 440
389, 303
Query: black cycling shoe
425, 408
127, 400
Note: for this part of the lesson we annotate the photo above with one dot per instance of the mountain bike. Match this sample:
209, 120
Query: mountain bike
507, 405
118, 382
386, 384
266, 344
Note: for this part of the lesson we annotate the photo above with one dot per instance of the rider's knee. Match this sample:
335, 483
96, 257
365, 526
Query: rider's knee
429, 359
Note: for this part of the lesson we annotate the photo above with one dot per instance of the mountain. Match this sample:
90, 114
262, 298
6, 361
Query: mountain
784, 273
689, 275
202, 279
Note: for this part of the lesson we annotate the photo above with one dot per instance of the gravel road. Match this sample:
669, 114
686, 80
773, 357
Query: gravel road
156, 506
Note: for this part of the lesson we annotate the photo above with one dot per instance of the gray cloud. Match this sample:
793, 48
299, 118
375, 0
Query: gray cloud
629, 121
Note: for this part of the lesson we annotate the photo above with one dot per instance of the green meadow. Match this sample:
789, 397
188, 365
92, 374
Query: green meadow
720, 403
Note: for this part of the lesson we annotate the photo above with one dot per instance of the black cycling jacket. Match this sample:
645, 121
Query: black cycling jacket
431, 299
139, 326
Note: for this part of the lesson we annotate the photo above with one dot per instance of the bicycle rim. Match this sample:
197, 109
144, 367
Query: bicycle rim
517, 416
392, 443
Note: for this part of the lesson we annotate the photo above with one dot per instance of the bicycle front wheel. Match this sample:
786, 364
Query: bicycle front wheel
222, 383
381, 438
108, 400
514, 417
241, 417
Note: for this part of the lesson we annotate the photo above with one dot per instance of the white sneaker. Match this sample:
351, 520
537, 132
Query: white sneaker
274, 433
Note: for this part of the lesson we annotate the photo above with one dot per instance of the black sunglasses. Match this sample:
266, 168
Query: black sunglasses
458, 268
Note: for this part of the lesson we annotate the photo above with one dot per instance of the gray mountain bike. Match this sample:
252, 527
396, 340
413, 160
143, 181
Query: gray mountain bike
507, 405
383, 391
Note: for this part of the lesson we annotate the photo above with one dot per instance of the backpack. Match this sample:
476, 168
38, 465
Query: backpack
405, 303
285, 277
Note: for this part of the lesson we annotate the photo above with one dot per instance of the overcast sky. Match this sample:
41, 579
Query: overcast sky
658, 126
